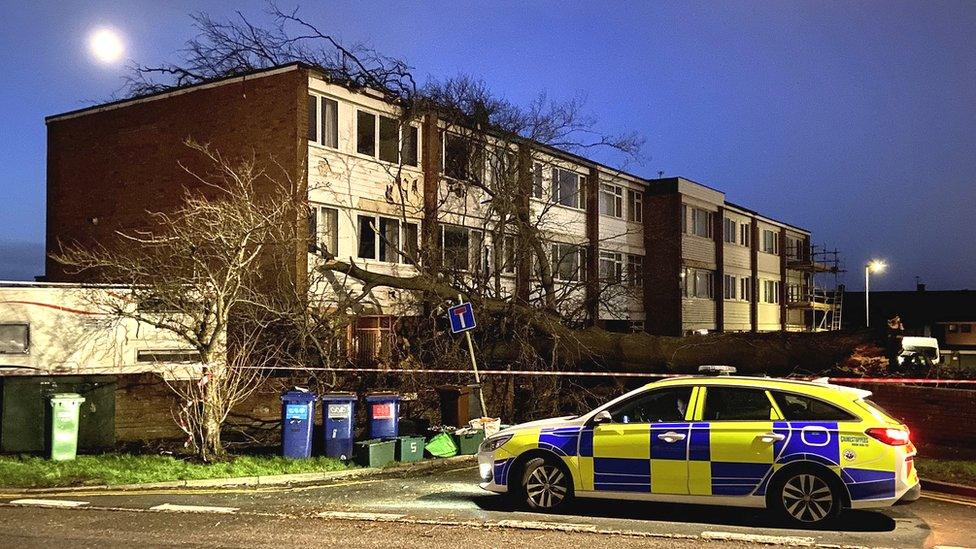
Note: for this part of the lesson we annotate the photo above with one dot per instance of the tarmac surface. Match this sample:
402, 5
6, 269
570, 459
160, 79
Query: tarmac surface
443, 504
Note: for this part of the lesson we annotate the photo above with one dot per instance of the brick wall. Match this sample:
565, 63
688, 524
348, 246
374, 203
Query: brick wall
145, 408
662, 264
107, 167
936, 416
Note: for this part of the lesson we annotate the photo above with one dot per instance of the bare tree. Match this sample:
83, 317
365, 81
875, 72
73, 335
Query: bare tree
197, 274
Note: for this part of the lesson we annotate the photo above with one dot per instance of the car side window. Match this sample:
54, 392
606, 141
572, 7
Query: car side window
734, 403
655, 406
803, 408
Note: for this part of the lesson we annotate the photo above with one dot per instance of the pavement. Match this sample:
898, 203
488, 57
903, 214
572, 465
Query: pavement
436, 507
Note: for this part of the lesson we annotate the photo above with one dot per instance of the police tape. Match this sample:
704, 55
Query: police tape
564, 373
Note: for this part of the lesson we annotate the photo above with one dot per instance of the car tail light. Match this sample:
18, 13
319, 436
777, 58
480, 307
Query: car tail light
890, 436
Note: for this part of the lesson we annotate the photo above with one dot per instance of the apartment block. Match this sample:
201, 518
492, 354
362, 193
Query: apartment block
668, 256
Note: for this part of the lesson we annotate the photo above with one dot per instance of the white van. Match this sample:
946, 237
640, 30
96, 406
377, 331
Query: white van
915, 348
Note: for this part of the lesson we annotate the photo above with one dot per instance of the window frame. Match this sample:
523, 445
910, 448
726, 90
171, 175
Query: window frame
745, 235
612, 197
635, 271
616, 406
702, 403
27, 339
771, 247
635, 206
401, 249
730, 282
556, 250
556, 189
320, 119
730, 233
473, 254
690, 216
316, 222
479, 169
691, 274
615, 262
852, 417
377, 139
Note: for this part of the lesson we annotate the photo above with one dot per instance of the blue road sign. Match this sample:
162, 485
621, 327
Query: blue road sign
462, 318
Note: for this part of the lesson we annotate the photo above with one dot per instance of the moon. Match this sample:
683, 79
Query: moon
106, 45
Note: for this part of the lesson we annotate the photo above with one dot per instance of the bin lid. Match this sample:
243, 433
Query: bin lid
67, 397
383, 397
298, 394
334, 397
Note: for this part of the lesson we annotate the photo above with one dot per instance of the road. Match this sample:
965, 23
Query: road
437, 507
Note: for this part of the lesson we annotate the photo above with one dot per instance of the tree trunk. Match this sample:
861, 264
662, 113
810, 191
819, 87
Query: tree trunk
213, 410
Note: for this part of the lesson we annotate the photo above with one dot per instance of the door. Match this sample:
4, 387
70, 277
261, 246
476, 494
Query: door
740, 444
644, 447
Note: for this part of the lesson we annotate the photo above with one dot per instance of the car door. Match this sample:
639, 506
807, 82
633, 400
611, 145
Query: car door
644, 447
741, 441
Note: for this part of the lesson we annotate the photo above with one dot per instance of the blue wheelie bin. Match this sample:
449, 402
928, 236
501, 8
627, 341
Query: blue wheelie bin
297, 420
338, 419
383, 411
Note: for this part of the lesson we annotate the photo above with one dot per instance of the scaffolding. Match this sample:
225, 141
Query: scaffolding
821, 295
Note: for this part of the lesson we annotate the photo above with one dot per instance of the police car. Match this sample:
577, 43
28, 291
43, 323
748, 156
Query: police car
806, 449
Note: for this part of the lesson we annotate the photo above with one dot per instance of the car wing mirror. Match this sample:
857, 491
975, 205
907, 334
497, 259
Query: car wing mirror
602, 416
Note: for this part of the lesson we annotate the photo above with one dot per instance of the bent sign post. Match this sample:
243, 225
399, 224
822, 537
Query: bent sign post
462, 320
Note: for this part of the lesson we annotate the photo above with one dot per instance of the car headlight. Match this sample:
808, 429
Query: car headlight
495, 442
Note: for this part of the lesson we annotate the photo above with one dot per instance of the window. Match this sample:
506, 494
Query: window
803, 408
567, 188
794, 248
745, 235
730, 287
323, 229
965, 328
411, 237
463, 160
745, 287
661, 405
567, 260
330, 123
731, 404
537, 183
729, 233
389, 139
463, 248
771, 291
394, 141
508, 254
635, 270
366, 133
313, 118
382, 238
952, 328
611, 200
770, 242
698, 283
635, 206
409, 152
701, 221
794, 293
15, 339
611, 267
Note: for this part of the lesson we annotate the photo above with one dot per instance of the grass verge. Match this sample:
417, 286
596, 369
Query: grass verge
948, 470
36, 472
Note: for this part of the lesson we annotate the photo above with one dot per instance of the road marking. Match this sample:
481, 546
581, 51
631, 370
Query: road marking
351, 515
49, 502
192, 508
760, 538
949, 499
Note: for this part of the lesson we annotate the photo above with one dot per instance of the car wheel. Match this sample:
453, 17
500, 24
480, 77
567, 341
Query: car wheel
546, 485
807, 497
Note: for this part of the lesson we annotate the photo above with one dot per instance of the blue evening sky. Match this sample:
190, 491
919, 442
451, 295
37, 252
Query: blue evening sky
856, 120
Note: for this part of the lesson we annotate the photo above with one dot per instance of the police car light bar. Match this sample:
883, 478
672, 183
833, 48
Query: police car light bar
716, 370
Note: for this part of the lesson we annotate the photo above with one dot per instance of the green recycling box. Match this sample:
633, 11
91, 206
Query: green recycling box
65, 410
409, 448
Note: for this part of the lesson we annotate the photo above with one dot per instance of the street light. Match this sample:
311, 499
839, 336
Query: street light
873, 266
